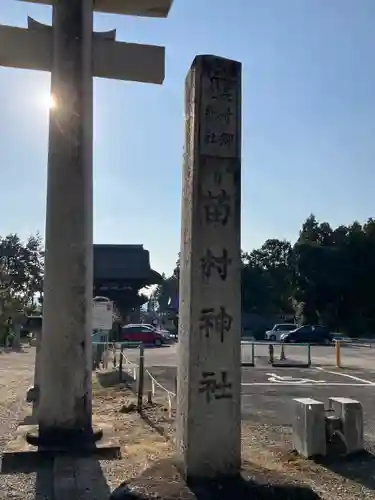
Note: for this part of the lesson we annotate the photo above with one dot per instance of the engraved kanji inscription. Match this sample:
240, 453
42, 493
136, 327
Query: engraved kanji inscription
210, 262
212, 114
218, 322
219, 130
221, 88
215, 387
211, 138
226, 139
217, 207
222, 139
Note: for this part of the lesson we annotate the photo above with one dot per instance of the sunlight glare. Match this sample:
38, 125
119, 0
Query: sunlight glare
51, 103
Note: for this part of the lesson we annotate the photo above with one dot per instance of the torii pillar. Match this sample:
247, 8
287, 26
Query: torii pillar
74, 55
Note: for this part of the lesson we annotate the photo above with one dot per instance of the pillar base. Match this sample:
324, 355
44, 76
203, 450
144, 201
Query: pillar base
67, 438
164, 480
23, 453
32, 395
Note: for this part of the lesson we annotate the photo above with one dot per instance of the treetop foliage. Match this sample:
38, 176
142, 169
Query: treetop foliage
327, 276
21, 274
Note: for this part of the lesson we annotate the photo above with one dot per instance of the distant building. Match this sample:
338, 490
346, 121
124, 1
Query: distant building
120, 271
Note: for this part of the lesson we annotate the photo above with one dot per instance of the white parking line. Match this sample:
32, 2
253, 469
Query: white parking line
346, 375
315, 384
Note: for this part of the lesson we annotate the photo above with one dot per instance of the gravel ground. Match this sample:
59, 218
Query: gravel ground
17, 374
267, 449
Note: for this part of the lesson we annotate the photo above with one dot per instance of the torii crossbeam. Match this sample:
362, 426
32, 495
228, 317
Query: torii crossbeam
74, 54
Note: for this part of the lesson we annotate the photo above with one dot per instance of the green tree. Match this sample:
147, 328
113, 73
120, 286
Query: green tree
34, 270
169, 288
334, 272
317, 263
267, 278
326, 277
21, 275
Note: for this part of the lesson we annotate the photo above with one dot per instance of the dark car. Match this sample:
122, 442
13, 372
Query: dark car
32, 325
309, 334
146, 334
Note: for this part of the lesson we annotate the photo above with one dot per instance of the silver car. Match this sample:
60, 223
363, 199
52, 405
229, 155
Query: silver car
277, 330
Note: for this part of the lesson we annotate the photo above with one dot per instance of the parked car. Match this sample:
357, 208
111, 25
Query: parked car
278, 330
32, 324
165, 333
309, 334
146, 334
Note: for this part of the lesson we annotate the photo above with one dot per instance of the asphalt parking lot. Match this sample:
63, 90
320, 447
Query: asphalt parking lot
268, 393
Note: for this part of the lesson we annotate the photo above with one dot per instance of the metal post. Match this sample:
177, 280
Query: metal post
141, 376
120, 362
253, 353
149, 397
114, 352
271, 353
282, 354
338, 353
309, 354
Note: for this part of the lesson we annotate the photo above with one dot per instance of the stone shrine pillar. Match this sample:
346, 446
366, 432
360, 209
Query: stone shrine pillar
209, 365
74, 54
64, 410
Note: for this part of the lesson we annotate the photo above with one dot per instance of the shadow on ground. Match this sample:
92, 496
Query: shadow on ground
158, 428
13, 350
163, 480
359, 467
65, 477
44, 482
111, 379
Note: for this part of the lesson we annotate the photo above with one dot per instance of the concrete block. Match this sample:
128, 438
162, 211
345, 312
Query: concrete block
309, 435
350, 413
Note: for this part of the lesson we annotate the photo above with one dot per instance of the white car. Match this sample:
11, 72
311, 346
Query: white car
278, 330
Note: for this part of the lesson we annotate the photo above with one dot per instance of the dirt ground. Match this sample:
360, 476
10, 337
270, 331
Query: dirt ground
266, 450
141, 441
145, 439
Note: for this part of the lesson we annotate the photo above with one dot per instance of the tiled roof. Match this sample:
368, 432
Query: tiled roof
121, 262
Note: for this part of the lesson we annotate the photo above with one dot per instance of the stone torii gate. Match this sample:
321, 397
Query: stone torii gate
74, 54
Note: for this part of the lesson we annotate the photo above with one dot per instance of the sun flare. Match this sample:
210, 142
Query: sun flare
51, 102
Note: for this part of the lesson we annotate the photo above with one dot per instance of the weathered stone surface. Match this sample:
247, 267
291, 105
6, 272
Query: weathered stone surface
309, 433
19, 454
78, 478
32, 394
65, 357
163, 481
209, 365
350, 412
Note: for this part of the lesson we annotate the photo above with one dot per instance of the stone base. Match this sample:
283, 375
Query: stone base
163, 481
68, 439
19, 454
32, 394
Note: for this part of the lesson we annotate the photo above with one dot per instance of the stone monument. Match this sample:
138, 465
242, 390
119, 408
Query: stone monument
74, 54
208, 462
209, 364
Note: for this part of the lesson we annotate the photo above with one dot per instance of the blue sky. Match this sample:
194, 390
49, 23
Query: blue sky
308, 121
